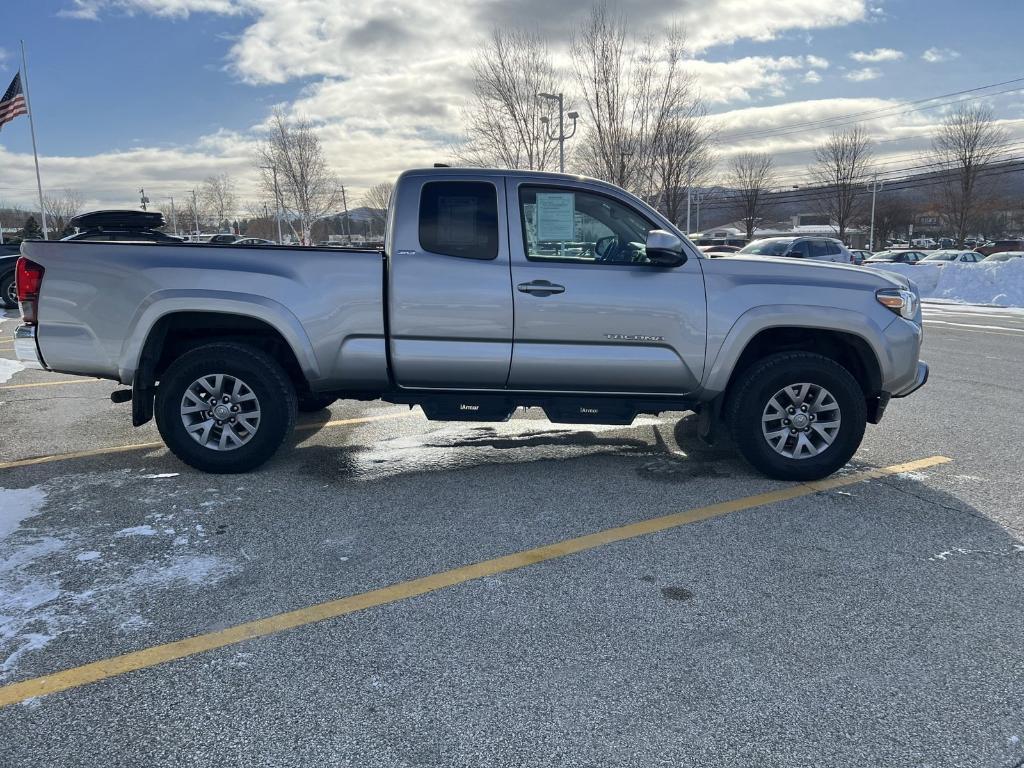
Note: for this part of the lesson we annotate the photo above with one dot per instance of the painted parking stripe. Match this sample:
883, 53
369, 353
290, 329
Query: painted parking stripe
96, 671
51, 383
149, 446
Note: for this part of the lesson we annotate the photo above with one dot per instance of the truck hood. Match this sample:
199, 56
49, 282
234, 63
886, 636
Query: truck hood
807, 272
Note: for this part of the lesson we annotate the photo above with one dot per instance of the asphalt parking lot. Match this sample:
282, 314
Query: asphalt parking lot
422, 595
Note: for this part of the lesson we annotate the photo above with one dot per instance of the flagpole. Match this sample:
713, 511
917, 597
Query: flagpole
32, 127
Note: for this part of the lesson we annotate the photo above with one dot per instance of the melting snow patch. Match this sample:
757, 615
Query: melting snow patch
8, 368
18, 504
85, 557
199, 569
162, 476
138, 530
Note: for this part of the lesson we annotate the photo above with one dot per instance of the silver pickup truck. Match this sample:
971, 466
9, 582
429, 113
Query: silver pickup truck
495, 290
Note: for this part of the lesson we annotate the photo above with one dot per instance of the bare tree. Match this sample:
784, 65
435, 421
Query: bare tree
504, 116
841, 167
966, 142
308, 190
61, 208
683, 159
637, 98
378, 199
750, 177
217, 194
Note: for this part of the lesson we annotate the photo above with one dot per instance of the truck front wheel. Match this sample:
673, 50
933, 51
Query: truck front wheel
225, 407
797, 415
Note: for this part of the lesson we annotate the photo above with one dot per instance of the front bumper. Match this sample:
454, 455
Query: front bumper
25, 347
919, 381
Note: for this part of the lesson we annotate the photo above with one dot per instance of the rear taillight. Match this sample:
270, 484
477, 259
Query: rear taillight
29, 278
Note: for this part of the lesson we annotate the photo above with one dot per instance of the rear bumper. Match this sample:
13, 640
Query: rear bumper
25, 347
919, 381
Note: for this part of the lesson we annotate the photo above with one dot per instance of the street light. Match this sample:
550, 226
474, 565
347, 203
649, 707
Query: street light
874, 185
561, 136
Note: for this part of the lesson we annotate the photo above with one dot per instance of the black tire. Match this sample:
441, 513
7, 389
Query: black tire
260, 372
6, 288
756, 386
311, 403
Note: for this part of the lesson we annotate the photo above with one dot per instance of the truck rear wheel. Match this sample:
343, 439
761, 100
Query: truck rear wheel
797, 415
225, 407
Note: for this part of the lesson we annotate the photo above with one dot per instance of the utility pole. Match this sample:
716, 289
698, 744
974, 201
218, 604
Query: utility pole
348, 225
688, 230
561, 136
874, 185
277, 201
195, 210
174, 218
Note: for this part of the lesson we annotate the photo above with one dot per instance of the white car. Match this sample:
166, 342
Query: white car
1003, 256
952, 257
810, 248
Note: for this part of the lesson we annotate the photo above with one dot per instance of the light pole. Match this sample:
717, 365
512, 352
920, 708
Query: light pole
277, 200
561, 136
874, 185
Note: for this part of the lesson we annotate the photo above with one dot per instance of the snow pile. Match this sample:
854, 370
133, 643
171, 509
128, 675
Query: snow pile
999, 282
8, 368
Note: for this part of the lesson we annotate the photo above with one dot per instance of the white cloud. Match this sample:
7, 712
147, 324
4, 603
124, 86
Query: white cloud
937, 55
877, 55
91, 9
812, 77
740, 79
862, 75
817, 62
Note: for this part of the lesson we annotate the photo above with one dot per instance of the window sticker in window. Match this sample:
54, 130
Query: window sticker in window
556, 216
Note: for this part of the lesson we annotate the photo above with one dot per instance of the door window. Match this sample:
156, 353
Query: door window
819, 249
459, 218
801, 249
571, 225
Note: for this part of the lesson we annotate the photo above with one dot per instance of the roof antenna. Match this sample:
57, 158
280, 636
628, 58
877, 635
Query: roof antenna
441, 165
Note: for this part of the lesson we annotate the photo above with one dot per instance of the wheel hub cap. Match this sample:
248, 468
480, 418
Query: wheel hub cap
220, 412
801, 420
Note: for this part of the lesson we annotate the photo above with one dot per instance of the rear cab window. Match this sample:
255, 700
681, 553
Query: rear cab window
459, 218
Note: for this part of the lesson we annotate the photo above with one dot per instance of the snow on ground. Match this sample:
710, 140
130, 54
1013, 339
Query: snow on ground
63, 578
1000, 283
8, 368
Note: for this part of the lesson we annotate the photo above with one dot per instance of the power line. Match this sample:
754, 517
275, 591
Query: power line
895, 109
782, 198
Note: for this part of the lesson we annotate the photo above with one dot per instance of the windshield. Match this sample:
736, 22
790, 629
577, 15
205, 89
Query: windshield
769, 247
1006, 256
943, 256
883, 256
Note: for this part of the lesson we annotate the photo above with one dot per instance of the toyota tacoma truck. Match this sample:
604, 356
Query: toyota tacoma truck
495, 290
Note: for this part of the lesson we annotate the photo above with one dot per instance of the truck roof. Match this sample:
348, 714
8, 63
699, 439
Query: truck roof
464, 171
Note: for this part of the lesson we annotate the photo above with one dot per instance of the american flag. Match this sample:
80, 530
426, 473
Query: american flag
13, 102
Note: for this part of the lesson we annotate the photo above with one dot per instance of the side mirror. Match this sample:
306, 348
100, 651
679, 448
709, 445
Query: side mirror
664, 249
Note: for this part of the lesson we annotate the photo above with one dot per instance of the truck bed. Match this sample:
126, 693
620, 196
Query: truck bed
326, 303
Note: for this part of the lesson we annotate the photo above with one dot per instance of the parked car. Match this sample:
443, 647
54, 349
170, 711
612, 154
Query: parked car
952, 257
859, 256
226, 238
224, 351
999, 246
1003, 256
8, 260
120, 225
810, 248
253, 241
718, 250
895, 257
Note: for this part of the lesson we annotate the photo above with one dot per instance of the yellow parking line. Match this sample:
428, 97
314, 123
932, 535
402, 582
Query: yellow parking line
51, 383
160, 654
145, 446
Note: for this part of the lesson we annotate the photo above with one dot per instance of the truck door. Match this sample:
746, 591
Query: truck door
591, 313
449, 287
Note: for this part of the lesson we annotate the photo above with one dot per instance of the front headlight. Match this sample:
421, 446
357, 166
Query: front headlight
902, 302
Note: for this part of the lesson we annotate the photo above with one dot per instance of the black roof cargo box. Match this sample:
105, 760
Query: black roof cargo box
119, 220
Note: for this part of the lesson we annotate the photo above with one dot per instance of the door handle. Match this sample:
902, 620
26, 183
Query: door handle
540, 288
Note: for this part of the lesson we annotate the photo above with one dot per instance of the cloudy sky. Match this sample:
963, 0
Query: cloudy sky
161, 93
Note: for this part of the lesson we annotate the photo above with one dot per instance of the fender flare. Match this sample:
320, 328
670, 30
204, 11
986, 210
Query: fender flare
160, 304
812, 317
